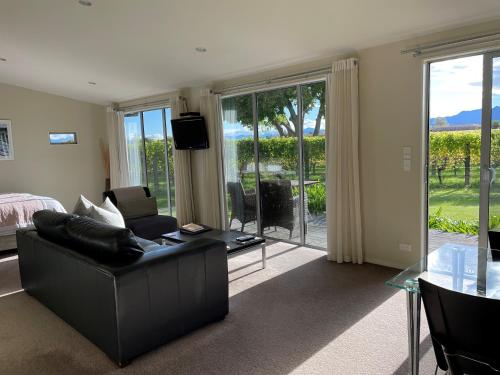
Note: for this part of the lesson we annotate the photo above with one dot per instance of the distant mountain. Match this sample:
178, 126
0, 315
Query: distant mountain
465, 118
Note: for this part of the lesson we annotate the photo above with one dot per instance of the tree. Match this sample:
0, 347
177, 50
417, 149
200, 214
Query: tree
277, 109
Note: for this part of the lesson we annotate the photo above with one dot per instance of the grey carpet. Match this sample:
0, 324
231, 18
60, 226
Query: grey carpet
302, 315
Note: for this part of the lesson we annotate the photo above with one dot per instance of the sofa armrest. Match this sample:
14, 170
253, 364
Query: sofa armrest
169, 292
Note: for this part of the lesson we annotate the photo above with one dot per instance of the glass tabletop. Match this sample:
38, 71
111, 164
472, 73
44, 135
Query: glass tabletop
461, 268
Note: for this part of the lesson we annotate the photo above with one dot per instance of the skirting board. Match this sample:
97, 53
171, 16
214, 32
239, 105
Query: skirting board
384, 263
8, 242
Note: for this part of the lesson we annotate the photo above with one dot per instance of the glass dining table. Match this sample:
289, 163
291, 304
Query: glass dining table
465, 269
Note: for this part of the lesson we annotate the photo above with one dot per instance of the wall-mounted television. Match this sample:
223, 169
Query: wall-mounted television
190, 133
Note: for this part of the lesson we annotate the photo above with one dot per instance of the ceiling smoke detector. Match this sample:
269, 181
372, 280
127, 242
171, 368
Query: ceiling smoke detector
200, 49
85, 3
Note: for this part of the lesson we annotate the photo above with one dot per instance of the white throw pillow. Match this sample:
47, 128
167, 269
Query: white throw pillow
82, 206
107, 213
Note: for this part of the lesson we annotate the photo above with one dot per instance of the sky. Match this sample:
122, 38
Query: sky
153, 124
456, 85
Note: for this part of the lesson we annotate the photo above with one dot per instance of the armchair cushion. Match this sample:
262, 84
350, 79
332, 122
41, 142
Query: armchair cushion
134, 208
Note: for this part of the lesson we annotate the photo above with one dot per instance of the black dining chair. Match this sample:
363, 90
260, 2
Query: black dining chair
464, 329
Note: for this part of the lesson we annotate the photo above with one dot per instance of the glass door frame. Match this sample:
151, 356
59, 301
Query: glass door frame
486, 123
253, 93
485, 148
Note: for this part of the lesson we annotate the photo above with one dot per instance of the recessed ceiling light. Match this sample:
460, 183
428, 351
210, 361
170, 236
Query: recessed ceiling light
92, 83
85, 3
200, 49
2, 59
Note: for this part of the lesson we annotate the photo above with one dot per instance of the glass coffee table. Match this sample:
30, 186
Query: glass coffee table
464, 269
228, 236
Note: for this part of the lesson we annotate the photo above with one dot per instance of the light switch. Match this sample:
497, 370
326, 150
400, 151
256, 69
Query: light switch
406, 153
406, 159
406, 165
405, 247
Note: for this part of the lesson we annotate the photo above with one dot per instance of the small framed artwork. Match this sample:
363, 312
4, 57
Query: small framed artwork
6, 142
62, 138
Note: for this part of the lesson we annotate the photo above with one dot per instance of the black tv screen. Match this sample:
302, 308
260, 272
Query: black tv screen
190, 133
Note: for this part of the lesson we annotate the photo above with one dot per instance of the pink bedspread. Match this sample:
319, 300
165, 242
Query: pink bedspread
16, 210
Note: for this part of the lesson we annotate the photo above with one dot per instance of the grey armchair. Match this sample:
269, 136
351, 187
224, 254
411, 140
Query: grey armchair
140, 212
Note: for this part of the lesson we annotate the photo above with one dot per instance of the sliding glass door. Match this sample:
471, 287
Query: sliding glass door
279, 149
463, 150
274, 163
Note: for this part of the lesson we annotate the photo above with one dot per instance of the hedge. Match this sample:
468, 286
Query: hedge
283, 151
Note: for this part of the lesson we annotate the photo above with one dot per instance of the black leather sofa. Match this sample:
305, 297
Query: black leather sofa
125, 294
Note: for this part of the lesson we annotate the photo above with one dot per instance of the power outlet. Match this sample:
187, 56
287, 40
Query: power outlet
405, 247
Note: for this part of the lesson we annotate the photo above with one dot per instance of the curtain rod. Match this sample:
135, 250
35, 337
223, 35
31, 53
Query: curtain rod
142, 106
418, 50
263, 82
147, 105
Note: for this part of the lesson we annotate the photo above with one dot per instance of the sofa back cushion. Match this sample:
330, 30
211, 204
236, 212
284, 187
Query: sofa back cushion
89, 235
51, 225
107, 213
86, 235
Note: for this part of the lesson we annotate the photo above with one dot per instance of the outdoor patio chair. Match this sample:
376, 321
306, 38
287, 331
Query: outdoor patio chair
243, 204
278, 204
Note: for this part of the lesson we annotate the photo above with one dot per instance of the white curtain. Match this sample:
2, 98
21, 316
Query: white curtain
184, 202
118, 160
343, 209
207, 166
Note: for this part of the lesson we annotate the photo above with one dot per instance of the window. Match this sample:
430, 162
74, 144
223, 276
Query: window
149, 154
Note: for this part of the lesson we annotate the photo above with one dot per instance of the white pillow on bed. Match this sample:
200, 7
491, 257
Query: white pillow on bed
105, 213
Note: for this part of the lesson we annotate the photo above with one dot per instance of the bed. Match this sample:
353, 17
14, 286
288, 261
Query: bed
16, 211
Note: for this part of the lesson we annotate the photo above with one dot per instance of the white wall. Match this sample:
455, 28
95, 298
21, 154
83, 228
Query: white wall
59, 171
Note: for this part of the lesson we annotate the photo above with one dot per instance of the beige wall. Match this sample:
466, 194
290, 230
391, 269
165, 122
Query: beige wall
59, 171
390, 87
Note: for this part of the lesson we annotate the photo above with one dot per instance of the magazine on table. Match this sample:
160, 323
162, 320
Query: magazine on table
193, 228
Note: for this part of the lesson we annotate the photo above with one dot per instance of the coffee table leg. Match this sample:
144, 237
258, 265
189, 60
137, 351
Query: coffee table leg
264, 256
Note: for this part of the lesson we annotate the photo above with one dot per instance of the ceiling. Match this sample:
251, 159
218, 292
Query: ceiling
133, 48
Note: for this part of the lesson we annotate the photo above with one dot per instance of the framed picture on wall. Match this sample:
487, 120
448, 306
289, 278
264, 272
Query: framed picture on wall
6, 142
62, 138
